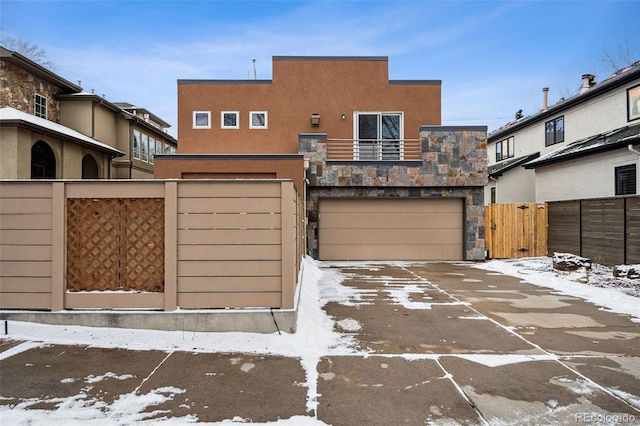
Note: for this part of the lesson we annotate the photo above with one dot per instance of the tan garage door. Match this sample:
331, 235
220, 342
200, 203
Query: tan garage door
391, 229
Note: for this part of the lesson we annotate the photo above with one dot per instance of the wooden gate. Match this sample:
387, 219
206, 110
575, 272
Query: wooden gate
115, 244
515, 230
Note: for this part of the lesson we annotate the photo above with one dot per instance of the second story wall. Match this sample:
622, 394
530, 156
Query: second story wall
334, 88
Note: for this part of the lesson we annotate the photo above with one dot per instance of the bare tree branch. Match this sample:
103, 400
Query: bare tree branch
28, 49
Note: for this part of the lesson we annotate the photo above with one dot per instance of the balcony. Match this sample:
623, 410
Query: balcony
373, 149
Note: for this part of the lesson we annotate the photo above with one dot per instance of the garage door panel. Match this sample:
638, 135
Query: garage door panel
389, 220
392, 236
389, 252
442, 205
391, 229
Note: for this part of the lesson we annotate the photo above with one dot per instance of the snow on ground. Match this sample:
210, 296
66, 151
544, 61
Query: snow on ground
316, 337
598, 286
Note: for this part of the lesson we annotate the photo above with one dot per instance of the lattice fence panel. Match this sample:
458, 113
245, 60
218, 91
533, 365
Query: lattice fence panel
144, 247
93, 239
115, 244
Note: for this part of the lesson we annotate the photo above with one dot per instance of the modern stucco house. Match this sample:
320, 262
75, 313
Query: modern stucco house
580, 147
381, 178
51, 129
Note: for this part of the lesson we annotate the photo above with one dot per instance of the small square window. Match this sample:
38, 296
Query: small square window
626, 180
201, 119
40, 106
258, 120
230, 120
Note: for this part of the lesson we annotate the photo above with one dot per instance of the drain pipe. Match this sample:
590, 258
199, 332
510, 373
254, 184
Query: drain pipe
496, 187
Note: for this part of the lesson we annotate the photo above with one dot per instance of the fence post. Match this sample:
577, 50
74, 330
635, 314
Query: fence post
170, 246
58, 246
288, 244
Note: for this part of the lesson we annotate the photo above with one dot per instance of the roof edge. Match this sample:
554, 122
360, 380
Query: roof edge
330, 58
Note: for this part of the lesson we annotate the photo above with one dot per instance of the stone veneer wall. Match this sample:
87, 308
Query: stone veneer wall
454, 164
19, 87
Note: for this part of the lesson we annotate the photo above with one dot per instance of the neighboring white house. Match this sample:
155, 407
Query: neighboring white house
581, 147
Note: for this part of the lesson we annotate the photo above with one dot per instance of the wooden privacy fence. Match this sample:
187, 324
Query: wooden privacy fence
149, 244
515, 230
606, 230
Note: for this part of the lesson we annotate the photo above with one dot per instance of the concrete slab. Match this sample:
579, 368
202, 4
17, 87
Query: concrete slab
619, 375
388, 391
217, 387
442, 329
534, 392
53, 374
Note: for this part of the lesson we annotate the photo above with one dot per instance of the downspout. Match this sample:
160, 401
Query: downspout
130, 148
630, 147
496, 181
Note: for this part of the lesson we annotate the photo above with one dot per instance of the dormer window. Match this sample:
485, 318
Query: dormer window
40, 106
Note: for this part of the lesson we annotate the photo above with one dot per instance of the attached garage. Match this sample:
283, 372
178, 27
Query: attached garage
391, 229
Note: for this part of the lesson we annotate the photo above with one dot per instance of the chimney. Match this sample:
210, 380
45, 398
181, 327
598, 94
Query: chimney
545, 99
588, 81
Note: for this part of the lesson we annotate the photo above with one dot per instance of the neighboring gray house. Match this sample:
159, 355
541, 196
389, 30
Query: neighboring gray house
580, 147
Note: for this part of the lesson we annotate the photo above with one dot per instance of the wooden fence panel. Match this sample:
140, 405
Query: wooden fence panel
564, 227
516, 230
603, 230
218, 244
607, 230
25, 245
633, 231
230, 244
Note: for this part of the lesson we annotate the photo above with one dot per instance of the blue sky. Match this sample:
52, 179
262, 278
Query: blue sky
493, 57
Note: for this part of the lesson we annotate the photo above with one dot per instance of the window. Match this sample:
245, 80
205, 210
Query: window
505, 149
626, 180
145, 147
258, 120
158, 146
152, 150
378, 136
40, 106
493, 195
554, 131
229, 120
136, 144
201, 119
43, 161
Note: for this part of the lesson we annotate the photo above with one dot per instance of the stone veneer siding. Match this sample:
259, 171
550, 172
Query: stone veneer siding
454, 164
19, 87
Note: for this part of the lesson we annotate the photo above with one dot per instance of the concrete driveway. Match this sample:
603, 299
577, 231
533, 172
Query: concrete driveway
439, 343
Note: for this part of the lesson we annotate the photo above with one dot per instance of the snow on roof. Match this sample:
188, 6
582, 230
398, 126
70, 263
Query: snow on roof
590, 145
499, 168
8, 114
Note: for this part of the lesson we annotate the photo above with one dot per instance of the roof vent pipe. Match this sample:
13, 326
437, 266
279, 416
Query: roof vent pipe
545, 99
588, 81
